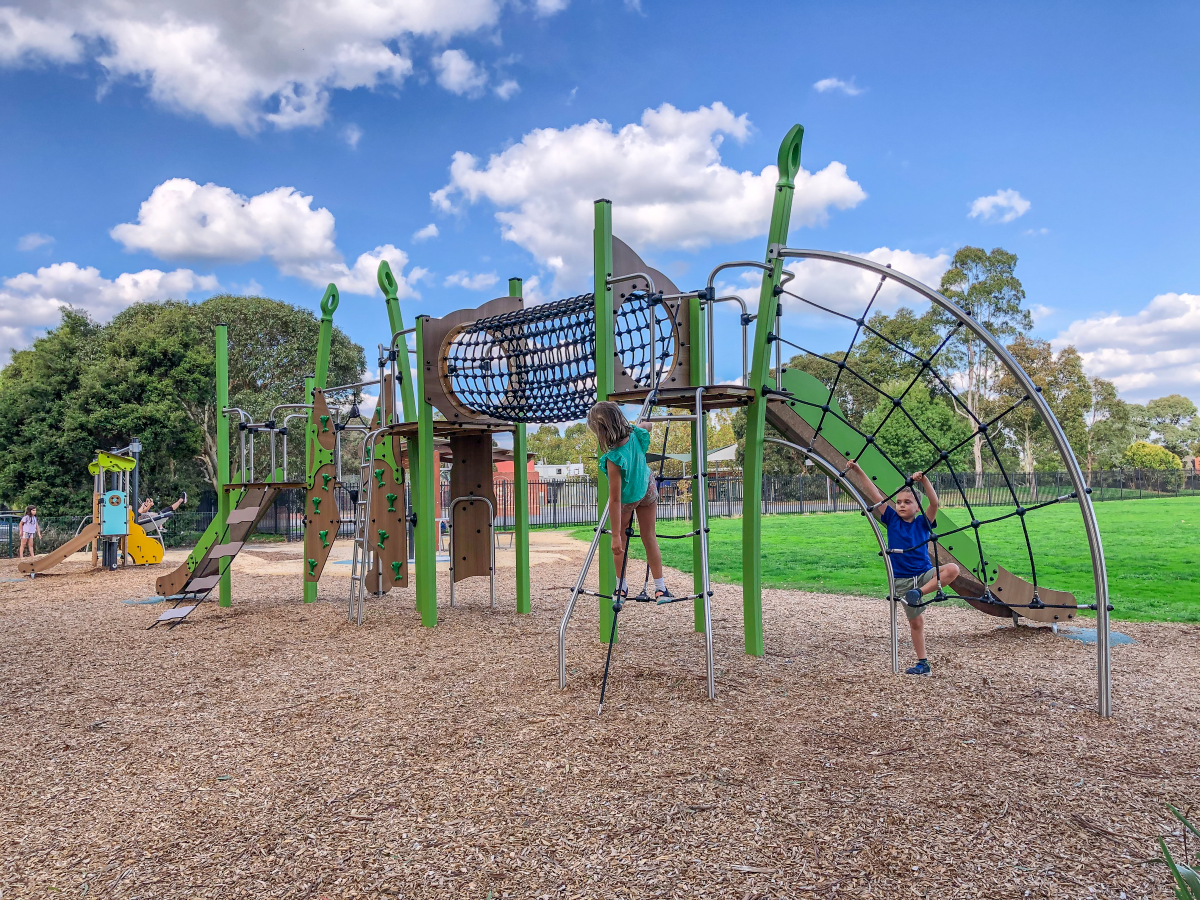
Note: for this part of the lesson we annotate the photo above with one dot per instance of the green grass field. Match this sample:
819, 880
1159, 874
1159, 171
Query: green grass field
1151, 547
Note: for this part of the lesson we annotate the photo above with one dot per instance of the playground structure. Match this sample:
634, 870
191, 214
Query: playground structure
502, 365
114, 536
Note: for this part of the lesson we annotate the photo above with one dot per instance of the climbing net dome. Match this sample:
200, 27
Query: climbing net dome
538, 364
925, 389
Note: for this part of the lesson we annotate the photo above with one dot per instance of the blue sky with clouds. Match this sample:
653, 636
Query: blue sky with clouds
183, 147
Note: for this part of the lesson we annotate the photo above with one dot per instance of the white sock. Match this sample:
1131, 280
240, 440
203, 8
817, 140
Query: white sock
660, 584
623, 586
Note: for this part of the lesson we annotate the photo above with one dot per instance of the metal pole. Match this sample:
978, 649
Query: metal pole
225, 589
701, 468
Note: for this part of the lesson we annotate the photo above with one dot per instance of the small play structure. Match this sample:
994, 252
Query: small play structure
636, 339
114, 536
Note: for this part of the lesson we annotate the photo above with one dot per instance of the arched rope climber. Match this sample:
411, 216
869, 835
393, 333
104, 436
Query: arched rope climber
538, 364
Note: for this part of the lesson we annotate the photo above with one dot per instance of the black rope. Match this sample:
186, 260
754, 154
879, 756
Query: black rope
619, 596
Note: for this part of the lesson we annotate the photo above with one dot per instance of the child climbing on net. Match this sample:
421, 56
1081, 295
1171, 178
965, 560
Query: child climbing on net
631, 490
909, 533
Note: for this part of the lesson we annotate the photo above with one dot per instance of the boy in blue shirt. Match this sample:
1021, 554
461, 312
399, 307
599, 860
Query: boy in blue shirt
909, 533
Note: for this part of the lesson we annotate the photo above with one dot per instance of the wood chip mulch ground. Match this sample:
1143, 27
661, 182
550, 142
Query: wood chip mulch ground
273, 750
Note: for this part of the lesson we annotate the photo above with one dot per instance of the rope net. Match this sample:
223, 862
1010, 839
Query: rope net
845, 385
538, 364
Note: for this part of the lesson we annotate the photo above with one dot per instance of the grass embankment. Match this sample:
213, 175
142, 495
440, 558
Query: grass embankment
1151, 548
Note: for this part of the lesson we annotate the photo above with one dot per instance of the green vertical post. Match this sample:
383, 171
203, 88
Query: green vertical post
389, 286
520, 495
424, 483
329, 305
697, 354
756, 413
605, 375
225, 586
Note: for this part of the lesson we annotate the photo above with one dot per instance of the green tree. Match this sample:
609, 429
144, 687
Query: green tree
150, 373
1109, 427
986, 287
546, 445
1173, 422
1144, 455
906, 438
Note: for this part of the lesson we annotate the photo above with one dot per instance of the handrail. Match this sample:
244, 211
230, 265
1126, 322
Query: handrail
491, 541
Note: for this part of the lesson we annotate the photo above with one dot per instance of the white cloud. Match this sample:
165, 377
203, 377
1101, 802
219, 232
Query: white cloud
182, 220
507, 88
424, 234
352, 134
1151, 353
664, 176
459, 74
32, 302
480, 282
1007, 205
1041, 312
825, 85
34, 240
848, 289
1036, 232
243, 63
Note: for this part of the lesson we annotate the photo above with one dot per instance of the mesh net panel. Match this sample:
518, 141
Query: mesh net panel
539, 364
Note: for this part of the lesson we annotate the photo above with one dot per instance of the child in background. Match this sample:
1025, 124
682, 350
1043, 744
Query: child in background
631, 490
909, 532
28, 528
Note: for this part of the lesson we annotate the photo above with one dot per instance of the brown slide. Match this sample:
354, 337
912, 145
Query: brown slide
54, 557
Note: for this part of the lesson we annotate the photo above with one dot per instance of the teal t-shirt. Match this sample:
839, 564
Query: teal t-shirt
630, 458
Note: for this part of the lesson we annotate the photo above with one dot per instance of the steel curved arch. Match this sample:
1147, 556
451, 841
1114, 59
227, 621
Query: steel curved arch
845, 484
1099, 573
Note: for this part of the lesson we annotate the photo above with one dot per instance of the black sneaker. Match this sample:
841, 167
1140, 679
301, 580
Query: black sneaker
913, 597
921, 668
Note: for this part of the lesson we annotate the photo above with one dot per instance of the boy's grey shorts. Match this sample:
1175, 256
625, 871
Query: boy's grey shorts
915, 582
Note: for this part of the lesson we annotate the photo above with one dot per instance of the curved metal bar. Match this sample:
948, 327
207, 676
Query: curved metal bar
630, 277
346, 387
1099, 572
732, 298
491, 536
741, 263
846, 485
286, 418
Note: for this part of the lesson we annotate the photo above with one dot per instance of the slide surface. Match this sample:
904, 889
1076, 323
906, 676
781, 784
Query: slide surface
54, 557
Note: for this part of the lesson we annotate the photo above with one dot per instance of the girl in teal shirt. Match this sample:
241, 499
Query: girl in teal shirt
631, 488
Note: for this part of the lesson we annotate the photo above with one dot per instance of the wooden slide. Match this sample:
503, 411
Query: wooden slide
838, 442
54, 557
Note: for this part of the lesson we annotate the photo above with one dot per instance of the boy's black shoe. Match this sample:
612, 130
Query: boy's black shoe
921, 668
913, 597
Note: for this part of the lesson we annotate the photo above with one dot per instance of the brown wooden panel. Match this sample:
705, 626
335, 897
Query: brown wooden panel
387, 528
471, 476
1012, 589
323, 419
321, 522
626, 262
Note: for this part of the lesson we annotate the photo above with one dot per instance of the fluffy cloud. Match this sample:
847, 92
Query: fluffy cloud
1151, 353
424, 234
1003, 205
459, 74
243, 63
507, 89
825, 85
846, 288
664, 176
182, 220
34, 240
480, 282
31, 302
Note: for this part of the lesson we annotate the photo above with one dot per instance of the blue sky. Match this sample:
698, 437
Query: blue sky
1080, 121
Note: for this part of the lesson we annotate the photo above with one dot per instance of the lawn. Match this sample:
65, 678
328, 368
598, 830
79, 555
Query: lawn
1151, 548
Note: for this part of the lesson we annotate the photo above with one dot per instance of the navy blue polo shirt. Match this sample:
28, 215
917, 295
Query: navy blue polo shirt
912, 537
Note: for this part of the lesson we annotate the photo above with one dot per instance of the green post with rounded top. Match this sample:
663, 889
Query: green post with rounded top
329, 305
756, 413
605, 375
520, 495
424, 483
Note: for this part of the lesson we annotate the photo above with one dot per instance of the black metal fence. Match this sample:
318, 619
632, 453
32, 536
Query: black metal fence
572, 501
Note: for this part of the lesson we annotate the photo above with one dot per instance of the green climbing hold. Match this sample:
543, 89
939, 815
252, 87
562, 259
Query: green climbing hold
312, 568
391, 499
324, 534
324, 423
379, 475
328, 478
383, 536
316, 506
396, 569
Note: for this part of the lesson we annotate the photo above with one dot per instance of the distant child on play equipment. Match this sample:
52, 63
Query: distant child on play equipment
909, 534
146, 517
29, 527
631, 490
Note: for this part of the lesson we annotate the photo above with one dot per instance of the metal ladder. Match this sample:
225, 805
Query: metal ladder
700, 476
363, 556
